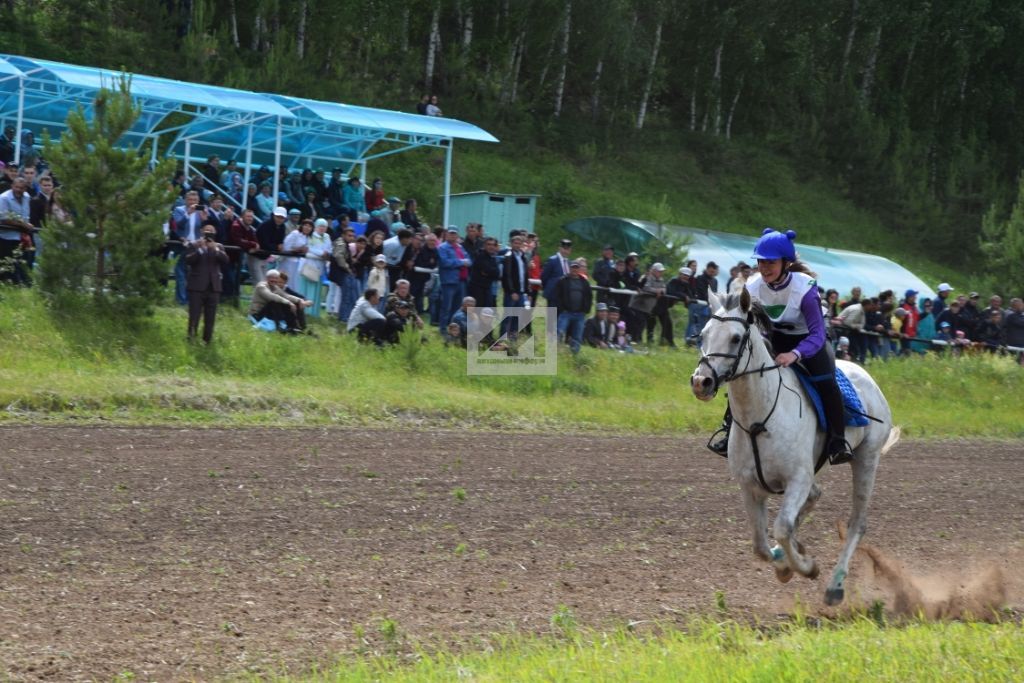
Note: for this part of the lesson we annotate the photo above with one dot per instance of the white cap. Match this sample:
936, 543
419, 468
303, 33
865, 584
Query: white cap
685, 271
281, 211
379, 258
844, 341
944, 287
658, 266
320, 221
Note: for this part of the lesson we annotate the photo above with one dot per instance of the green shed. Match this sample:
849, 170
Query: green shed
498, 213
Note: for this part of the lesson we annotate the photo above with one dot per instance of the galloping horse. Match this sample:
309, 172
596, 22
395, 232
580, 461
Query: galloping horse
775, 443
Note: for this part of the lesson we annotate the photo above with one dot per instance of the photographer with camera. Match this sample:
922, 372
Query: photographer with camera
204, 257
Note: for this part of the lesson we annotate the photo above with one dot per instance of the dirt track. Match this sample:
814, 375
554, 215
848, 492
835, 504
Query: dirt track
177, 554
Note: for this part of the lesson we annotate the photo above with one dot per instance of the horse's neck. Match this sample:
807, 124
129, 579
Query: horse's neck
752, 396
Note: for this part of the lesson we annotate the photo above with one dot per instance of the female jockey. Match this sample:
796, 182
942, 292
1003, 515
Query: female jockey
789, 294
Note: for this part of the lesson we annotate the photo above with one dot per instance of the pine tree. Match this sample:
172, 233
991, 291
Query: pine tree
112, 244
1002, 243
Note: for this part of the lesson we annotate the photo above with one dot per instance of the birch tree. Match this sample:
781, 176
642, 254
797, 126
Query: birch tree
649, 83
300, 31
564, 59
432, 45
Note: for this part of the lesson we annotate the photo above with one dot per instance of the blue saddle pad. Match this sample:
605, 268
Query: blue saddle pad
851, 401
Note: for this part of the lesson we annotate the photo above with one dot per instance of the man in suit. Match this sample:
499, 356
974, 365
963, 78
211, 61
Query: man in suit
555, 268
188, 223
484, 273
205, 258
515, 281
604, 273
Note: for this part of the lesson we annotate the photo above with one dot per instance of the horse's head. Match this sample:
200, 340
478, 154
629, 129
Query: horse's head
725, 340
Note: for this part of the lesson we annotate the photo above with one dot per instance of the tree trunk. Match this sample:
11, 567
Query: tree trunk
233, 20
649, 84
849, 40
404, 29
716, 87
906, 67
467, 28
693, 100
435, 31
101, 250
595, 95
518, 64
300, 32
257, 32
560, 84
869, 69
732, 109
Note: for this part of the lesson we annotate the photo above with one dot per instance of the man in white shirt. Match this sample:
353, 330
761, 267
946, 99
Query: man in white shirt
14, 210
366, 319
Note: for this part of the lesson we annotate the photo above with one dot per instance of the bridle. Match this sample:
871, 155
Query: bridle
757, 427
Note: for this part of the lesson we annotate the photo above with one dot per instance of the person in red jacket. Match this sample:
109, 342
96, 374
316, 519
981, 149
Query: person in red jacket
909, 330
535, 266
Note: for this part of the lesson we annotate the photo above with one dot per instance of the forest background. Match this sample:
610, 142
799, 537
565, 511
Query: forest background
896, 125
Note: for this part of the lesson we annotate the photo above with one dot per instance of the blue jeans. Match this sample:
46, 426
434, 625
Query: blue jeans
349, 295
451, 300
570, 327
697, 318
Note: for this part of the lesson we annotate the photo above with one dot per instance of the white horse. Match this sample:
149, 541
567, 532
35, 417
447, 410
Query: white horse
775, 444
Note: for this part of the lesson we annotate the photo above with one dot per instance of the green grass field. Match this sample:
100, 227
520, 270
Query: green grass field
76, 367
857, 651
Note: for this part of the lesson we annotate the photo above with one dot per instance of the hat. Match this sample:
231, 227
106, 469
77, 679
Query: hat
909, 293
945, 323
607, 247
632, 254
972, 295
566, 243
900, 312
685, 271
294, 211
844, 341
944, 287
620, 325
960, 334
602, 307
379, 258
613, 309
711, 264
320, 221
283, 196
281, 211
397, 225
575, 264
403, 304
394, 200
453, 229
658, 266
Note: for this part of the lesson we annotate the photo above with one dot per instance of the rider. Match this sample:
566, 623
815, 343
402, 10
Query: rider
788, 291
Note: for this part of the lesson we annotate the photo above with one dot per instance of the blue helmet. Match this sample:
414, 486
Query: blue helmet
774, 244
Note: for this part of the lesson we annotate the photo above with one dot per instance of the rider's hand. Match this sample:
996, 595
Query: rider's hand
786, 359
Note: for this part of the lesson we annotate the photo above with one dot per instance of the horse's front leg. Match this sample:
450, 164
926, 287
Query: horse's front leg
798, 490
753, 501
864, 465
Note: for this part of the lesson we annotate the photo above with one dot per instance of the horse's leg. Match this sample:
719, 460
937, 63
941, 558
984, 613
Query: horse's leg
864, 464
812, 498
753, 501
798, 490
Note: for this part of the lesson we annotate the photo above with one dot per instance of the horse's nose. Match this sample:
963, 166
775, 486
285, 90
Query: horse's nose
706, 383
702, 386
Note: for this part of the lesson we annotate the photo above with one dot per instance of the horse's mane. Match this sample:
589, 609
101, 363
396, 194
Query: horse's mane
759, 315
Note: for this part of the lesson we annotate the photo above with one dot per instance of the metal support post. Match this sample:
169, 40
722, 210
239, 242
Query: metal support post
448, 182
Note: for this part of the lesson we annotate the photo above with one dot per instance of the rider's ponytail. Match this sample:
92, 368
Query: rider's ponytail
801, 267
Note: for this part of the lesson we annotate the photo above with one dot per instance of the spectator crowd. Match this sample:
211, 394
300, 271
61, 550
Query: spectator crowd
340, 247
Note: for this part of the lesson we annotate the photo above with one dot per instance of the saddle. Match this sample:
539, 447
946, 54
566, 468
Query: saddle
854, 409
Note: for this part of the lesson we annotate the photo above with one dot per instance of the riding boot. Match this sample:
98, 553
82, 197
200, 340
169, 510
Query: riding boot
721, 446
838, 449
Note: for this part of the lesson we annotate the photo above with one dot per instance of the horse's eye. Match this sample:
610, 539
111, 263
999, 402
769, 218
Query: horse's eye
736, 339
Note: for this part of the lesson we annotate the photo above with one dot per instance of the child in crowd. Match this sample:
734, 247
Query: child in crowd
378, 279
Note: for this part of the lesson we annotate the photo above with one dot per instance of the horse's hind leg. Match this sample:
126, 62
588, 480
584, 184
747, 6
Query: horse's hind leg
798, 490
864, 465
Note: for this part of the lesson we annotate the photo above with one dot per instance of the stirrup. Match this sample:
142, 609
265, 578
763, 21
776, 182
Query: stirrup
721, 446
840, 451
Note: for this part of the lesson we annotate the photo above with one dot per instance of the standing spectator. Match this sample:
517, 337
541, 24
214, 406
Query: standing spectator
953, 315
990, 331
855, 297
393, 249
453, 266
939, 302
10, 133
970, 311
1013, 327
355, 202
909, 330
629, 279
188, 226
925, 328
473, 241
392, 213
336, 193
680, 286
378, 276
205, 258
242, 234
14, 210
10, 172
294, 219
515, 271
270, 234
266, 202
604, 273
555, 268
296, 244
211, 170
536, 267
704, 283
831, 304
995, 302
311, 267
655, 284
854, 318
432, 107
341, 276
573, 297
425, 261
484, 273
39, 206
374, 198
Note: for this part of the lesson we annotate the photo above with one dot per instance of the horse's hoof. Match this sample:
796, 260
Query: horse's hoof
834, 596
783, 574
813, 574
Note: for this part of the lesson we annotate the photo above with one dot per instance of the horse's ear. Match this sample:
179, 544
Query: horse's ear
745, 300
713, 303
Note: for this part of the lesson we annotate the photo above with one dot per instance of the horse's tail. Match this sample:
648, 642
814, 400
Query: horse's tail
894, 438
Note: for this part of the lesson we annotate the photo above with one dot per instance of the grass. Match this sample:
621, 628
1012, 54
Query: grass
71, 368
857, 651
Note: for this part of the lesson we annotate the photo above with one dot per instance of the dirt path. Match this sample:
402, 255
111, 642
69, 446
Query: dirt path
177, 554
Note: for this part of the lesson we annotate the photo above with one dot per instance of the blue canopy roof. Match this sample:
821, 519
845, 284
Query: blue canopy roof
836, 268
218, 120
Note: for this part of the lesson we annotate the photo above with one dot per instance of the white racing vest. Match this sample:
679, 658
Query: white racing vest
783, 305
